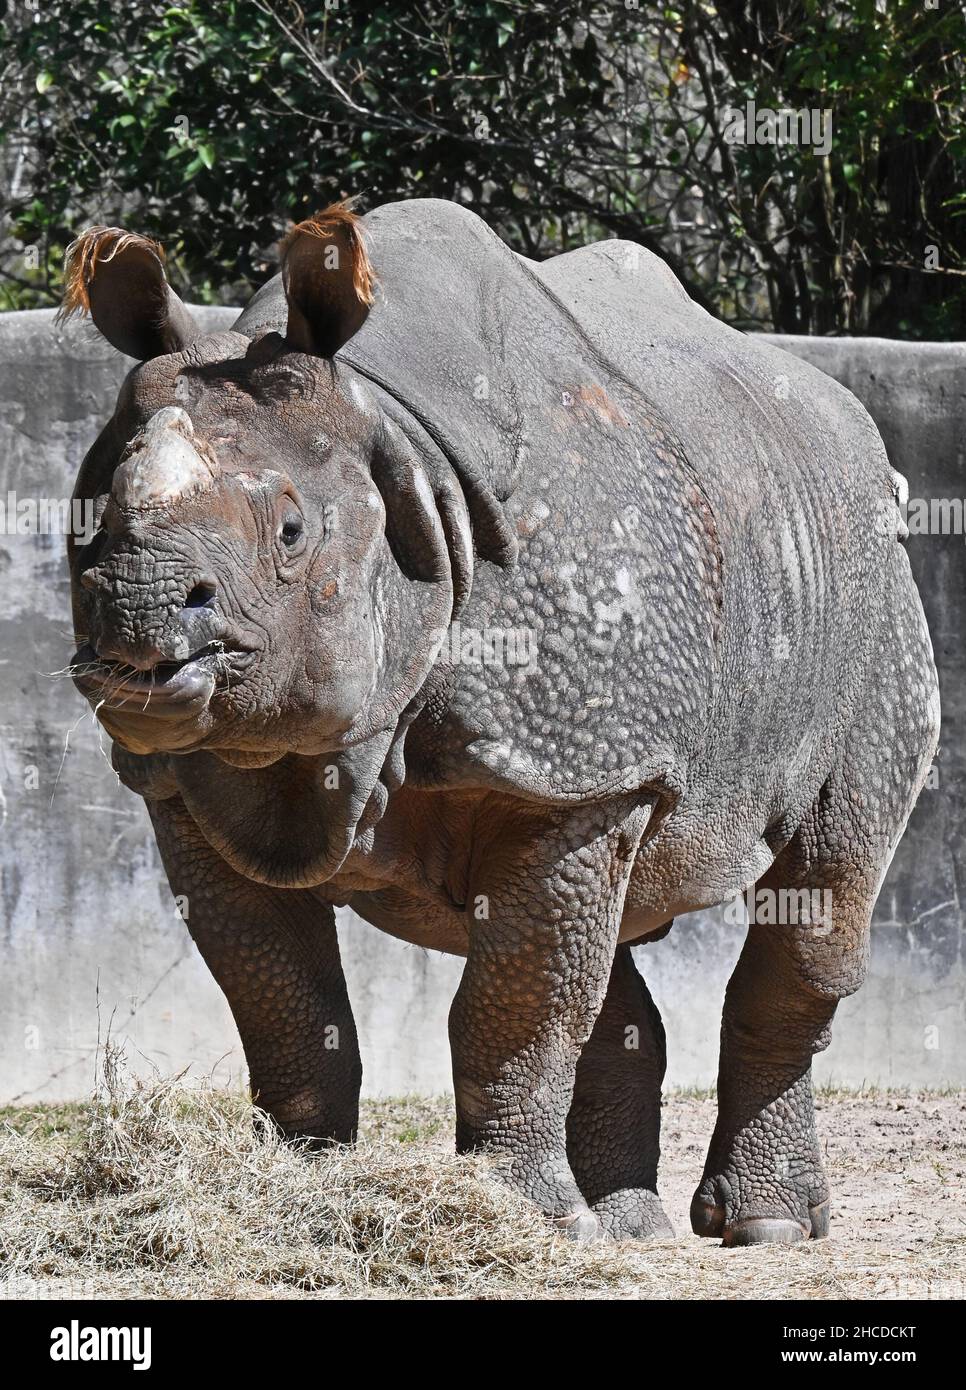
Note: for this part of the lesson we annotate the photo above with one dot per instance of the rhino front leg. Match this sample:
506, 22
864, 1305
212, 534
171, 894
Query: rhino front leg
547, 897
614, 1126
275, 954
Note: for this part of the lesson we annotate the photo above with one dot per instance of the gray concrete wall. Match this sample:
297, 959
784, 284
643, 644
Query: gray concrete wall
91, 943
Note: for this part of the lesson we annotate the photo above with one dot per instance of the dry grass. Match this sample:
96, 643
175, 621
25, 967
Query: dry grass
155, 1190
174, 1191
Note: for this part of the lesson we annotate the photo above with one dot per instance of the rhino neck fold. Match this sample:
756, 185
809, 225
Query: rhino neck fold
292, 824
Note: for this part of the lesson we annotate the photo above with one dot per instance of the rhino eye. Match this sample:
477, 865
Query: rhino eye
291, 531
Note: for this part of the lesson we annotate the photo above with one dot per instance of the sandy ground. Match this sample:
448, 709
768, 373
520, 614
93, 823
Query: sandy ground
897, 1171
896, 1164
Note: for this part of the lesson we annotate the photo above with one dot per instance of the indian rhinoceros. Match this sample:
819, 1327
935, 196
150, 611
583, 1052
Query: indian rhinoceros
522, 607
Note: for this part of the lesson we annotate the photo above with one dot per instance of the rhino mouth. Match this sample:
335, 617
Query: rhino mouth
213, 668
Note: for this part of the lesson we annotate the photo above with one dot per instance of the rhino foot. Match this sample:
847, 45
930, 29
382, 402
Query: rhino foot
633, 1214
763, 1180
743, 1202
580, 1225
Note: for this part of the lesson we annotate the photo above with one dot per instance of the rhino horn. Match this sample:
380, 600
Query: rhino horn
164, 464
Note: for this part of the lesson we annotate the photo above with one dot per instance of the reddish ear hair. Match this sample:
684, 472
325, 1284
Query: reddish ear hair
118, 278
328, 278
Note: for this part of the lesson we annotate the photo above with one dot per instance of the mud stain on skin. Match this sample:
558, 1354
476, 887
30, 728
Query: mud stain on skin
596, 401
587, 405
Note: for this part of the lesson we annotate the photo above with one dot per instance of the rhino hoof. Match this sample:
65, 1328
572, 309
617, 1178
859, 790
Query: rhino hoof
709, 1220
580, 1226
764, 1230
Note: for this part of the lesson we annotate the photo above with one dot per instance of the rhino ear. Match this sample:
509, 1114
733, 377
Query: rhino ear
118, 277
328, 280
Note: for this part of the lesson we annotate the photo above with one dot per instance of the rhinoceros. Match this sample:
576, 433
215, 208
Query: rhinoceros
523, 608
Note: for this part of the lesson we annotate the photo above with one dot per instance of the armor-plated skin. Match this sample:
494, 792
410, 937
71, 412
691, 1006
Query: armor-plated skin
313, 526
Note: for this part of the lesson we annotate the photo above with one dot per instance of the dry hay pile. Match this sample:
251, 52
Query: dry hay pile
173, 1191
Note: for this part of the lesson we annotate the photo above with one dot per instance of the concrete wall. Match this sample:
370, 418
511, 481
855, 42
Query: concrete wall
91, 943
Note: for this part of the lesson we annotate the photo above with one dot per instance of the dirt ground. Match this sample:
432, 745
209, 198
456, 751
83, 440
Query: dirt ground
144, 1194
897, 1171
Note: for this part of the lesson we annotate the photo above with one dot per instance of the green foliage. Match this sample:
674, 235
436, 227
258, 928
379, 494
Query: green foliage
842, 241
209, 123
212, 121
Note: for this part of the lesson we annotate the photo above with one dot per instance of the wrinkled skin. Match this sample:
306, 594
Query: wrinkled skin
732, 684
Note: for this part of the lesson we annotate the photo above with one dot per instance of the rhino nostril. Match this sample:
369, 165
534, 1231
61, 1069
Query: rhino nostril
201, 594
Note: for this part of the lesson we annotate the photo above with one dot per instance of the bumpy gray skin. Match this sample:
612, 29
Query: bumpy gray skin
733, 684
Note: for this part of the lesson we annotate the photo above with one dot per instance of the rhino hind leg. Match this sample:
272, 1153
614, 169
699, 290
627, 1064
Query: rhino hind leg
613, 1129
275, 955
764, 1178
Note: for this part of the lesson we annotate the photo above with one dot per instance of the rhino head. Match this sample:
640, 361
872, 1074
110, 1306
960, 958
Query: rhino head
280, 548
